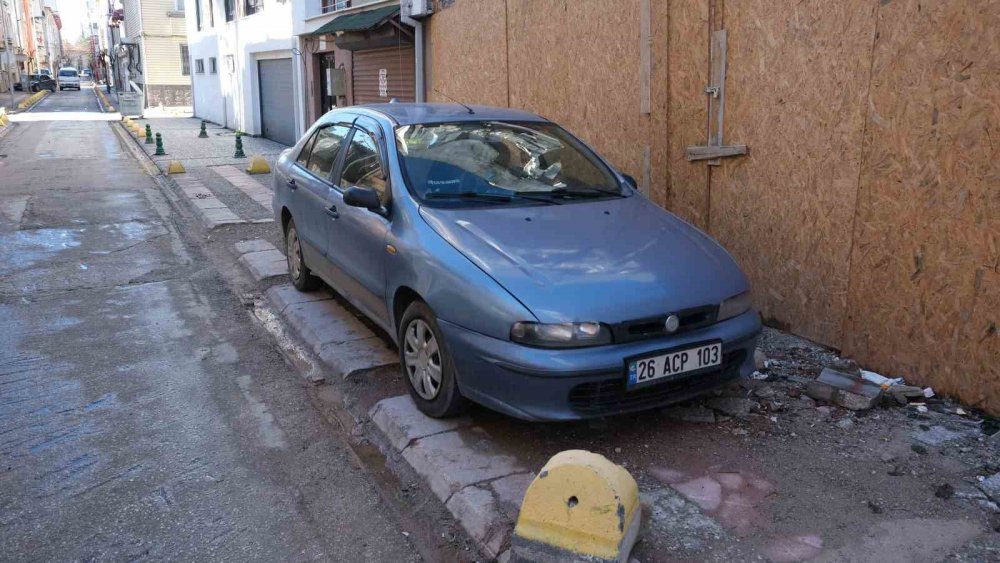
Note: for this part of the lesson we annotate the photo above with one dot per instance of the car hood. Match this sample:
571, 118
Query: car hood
610, 260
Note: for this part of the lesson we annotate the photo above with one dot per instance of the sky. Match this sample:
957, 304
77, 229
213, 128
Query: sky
74, 17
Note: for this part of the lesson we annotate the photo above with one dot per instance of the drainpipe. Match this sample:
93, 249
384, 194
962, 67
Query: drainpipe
418, 55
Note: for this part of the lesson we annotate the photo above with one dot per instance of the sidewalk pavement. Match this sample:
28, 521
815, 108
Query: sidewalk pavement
181, 142
5, 100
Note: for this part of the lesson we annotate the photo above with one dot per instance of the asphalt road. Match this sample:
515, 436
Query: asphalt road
142, 413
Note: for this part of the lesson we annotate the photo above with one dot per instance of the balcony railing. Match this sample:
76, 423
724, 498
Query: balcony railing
330, 6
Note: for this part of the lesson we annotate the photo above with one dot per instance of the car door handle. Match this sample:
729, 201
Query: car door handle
332, 211
291, 183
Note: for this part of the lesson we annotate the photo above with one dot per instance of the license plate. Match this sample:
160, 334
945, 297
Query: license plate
672, 364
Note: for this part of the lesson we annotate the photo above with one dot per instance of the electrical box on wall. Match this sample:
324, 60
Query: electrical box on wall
417, 9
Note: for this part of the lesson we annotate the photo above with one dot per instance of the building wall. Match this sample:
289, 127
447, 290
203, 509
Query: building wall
233, 98
867, 212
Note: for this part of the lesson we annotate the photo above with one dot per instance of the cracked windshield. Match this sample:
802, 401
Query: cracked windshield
500, 162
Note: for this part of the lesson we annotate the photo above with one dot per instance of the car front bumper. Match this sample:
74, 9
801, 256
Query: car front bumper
570, 384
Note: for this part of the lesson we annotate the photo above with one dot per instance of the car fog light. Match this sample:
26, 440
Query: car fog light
560, 335
734, 306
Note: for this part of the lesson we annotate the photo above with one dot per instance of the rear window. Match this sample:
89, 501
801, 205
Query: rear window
67, 73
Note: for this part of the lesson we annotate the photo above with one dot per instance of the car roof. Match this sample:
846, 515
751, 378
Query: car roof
411, 113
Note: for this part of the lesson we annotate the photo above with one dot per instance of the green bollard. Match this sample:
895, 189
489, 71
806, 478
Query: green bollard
202, 134
239, 147
159, 146
149, 135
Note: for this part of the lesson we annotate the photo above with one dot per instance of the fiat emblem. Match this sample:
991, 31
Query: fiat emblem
672, 324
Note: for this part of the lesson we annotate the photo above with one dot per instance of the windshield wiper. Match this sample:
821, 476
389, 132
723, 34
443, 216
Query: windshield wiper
585, 192
487, 197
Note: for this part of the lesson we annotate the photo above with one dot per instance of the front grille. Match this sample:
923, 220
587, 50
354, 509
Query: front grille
655, 327
611, 396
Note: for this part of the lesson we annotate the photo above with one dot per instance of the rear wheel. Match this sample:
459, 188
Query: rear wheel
301, 275
427, 365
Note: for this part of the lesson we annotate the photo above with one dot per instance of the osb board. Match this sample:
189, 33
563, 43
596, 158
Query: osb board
658, 134
924, 299
796, 86
577, 63
687, 108
467, 58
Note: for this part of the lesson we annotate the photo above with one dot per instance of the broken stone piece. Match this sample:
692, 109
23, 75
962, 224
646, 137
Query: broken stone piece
991, 486
848, 391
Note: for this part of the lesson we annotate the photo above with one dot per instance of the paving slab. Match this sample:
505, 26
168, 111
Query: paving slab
323, 322
265, 264
451, 461
358, 357
281, 296
402, 423
245, 183
477, 510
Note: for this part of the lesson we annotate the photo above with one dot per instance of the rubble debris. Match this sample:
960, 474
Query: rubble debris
845, 423
928, 392
759, 359
880, 380
887, 457
897, 471
903, 393
736, 407
690, 414
936, 435
875, 507
991, 487
944, 491
919, 449
843, 389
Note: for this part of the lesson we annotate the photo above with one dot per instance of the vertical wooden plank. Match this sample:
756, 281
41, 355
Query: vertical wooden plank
717, 100
645, 60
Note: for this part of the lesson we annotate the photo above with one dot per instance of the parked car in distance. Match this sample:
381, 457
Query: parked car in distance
69, 77
85, 75
511, 264
45, 71
39, 82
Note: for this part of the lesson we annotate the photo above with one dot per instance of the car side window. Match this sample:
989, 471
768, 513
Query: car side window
303, 158
362, 165
325, 149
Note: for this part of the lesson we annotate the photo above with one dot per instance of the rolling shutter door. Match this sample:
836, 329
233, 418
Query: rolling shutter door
277, 112
396, 64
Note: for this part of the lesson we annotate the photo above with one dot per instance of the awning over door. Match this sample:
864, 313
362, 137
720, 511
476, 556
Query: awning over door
359, 21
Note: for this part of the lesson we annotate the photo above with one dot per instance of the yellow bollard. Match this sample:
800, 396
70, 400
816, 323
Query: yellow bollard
258, 165
175, 167
580, 507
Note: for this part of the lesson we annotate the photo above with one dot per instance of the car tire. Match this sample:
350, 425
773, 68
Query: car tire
300, 274
422, 353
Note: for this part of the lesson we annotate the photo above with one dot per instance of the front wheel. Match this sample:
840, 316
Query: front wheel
427, 365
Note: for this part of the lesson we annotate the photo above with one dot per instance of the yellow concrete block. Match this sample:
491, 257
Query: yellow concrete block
581, 506
258, 165
175, 167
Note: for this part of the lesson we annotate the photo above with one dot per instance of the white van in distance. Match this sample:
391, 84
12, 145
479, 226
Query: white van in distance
69, 78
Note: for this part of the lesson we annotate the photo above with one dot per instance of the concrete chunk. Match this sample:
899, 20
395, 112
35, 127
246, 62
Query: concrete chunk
843, 389
359, 356
451, 461
401, 422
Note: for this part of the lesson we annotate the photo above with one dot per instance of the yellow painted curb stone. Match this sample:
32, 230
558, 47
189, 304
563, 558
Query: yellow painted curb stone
582, 507
258, 165
175, 167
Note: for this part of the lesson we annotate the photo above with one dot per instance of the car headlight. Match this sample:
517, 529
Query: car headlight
560, 335
734, 306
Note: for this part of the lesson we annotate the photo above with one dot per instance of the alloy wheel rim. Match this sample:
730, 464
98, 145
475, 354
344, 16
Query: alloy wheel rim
422, 359
294, 255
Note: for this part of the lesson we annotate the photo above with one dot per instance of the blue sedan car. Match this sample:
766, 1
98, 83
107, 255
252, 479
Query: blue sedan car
513, 266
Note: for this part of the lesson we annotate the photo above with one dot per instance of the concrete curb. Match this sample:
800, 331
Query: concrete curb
478, 483
340, 339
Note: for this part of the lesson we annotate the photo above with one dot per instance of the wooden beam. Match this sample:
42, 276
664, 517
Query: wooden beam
708, 152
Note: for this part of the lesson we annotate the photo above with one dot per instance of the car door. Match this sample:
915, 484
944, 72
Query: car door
357, 237
309, 182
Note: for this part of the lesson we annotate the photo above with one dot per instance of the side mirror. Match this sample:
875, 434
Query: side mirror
631, 181
367, 198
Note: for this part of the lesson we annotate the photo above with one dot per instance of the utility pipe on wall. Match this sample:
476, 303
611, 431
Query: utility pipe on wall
418, 51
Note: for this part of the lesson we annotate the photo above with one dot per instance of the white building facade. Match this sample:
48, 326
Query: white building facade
246, 67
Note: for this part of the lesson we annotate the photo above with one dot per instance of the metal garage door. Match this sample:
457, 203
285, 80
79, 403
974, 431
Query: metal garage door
277, 110
382, 74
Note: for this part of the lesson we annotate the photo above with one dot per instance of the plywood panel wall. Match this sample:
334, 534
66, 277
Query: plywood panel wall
687, 108
795, 94
924, 299
467, 55
577, 63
